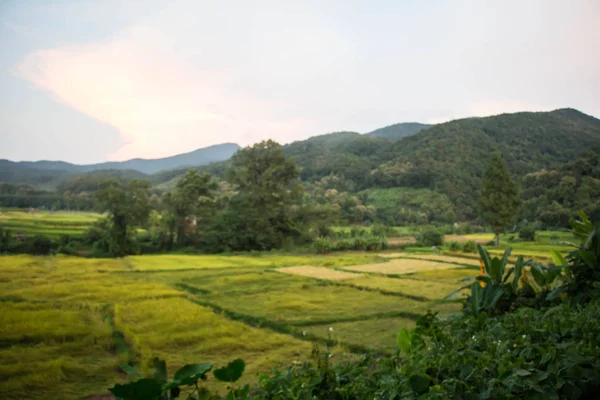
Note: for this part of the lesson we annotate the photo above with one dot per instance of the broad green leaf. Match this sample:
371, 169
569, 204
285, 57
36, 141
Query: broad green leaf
557, 258
485, 256
497, 295
128, 369
159, 370
404, 340
505, 261
496, 270
419, 383
476, 295
232, 372
538, 275
190, 373
143, 389
589, 258
556, 293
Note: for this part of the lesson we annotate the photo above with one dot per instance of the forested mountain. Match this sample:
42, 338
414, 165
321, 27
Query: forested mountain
44, 172
399, 131
445, 159
554, 196
450, 157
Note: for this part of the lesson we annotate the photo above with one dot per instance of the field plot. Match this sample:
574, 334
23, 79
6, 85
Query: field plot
401, 266
435, 257
317, 303
429, 290
377, 333
319, 273
182, 332
58, 314
47, 223
52, 353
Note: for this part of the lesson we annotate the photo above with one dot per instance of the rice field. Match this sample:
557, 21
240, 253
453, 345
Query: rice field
67, 323
401, 266
48, 223
319, 273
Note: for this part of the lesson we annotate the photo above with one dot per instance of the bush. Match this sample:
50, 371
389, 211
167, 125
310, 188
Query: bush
527, 233
429, 237
322, 245
469, 247
454, 246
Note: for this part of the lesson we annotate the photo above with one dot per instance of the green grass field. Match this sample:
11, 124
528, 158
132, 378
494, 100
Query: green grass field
61, 318
48, 223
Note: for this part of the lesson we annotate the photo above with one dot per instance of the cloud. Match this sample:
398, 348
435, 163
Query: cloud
160, 103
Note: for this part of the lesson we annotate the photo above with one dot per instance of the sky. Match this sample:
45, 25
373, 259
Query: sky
87, 81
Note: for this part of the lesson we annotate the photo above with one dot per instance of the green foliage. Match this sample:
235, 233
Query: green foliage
549, 353
469, 247
128, 206
158, 387
429, 236
363, 243
527, 233
499, 201
454, 246
401, 206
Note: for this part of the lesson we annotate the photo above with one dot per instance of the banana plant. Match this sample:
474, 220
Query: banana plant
494, 281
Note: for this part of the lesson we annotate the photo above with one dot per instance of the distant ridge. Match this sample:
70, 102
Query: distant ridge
203, 156
399, 131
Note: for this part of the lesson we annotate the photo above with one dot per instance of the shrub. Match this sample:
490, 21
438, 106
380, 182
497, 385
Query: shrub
429, 237
469, 247
527, 233
454, 246
322, 245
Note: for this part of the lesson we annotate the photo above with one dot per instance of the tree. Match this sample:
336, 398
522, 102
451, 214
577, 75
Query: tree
128, 206
499, 202
259, 214
192, 193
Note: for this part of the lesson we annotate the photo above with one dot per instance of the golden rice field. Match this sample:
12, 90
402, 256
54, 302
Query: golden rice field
67, 323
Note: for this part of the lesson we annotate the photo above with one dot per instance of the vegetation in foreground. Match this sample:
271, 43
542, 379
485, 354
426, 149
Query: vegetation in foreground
75, 320
528, 331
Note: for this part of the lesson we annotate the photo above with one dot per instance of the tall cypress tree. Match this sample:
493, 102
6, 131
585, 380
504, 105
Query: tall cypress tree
499, 202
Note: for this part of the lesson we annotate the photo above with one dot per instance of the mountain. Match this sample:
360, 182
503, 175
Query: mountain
195, 158
450, 157
48, 174
398, 131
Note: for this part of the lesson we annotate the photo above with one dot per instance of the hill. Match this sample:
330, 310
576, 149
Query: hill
450, 157
197, 157
48, 174
399, 131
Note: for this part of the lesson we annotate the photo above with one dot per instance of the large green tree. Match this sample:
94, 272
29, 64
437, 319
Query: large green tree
187, 203
259, 215
128, 207
500, 201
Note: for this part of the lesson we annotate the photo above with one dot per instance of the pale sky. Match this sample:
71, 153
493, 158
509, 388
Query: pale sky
92, 80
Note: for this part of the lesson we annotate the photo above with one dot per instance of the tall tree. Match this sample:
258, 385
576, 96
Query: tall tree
184, 204
128, 206
500, 201
265, 183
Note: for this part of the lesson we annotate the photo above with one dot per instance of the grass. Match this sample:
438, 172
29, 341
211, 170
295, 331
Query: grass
47, 223
430, 290
66, 323
182, 332
315, 304
52, 353
319, 273
400, 266
376, 333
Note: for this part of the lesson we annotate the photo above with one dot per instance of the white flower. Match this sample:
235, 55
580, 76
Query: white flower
330, 329
473, 337
303, 333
